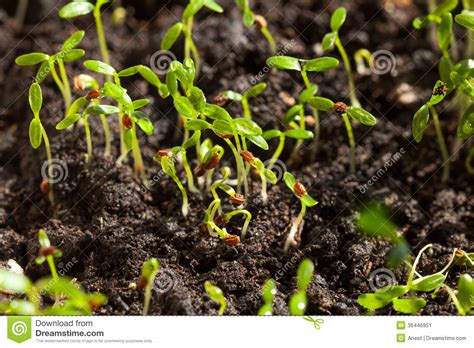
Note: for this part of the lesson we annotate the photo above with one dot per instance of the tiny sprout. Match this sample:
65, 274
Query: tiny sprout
332, 39
357, 113
185, 26
84, 82
268, 293
68, 53
264, 173
47, 253
217, 295
167, 160
147, 276
249, 18
306, 201
80, 8
304, 276
37, 134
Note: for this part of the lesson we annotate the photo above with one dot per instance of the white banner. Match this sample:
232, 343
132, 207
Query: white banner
236, 332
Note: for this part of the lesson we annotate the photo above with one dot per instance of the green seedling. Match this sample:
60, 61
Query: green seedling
47, 253
374, 221
210, 156
81, 8
243, 98
129, 114
67, 53
266, 175
234, 197
217, 295
395, 294
362, 59
304, 277
454, 77
296, 112
73, 300
185, 26
332, 39
463, 298
147, 276
268, 294
297, 134
306, 201
249, 18
37, 133
90, 106
357, 113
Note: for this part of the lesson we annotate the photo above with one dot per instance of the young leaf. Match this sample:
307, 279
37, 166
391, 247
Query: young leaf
255, 90
217, 295
184, 107
35, 98
371, 301
445, 30
73, 55
297, 303
197, 125
362, 116
140, 103
143, 122
428, 283
246, 127
409, 305
99, 67
421, 22
249, 18
192, 8
68, 121
75, 9
290, 180
388, 293
420, 121
320, 64
338, 18
308, 201
214, 6
439, 92
320, 103
197, 99
329, 40
298, 134
284, 63
307, 93
292, 113
171, 36
216, 112
271, 134
35, 133
270, 176
466, 125
31, 59
465, 19
117, 92
43, 72
73, 40
102, 110
222, 127
259, 141
466, 292
231, 95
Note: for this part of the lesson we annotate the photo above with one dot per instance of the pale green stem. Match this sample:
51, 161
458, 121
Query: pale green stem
146, 305
67, 87
88, 138
138, 165
189, 172
247, 219
350, 135
184, 208
50, 164
290, 240
108, 138
278, 151
347, 67
101, 37
60, 85
442, 144
270, 39
20, 14
455, 299
245, 107
413, 268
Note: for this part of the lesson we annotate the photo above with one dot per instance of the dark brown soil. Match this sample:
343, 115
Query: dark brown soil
108, 224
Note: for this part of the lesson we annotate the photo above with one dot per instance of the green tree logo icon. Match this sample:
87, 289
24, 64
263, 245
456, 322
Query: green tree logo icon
19, 329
